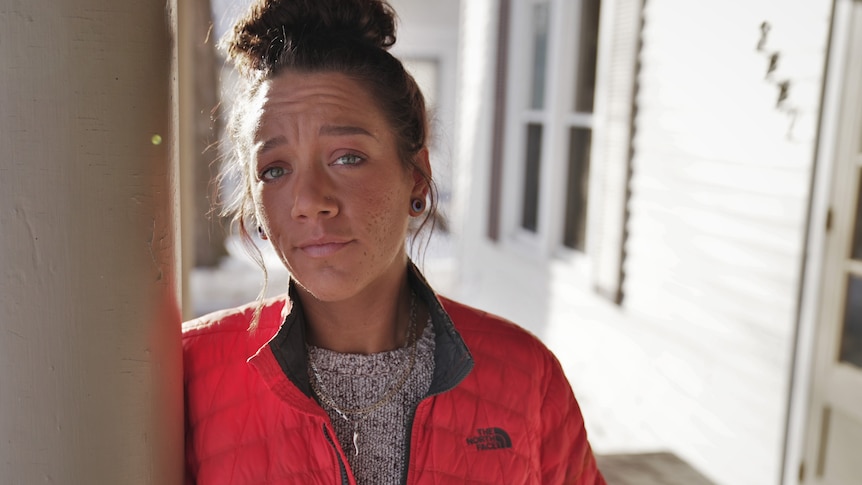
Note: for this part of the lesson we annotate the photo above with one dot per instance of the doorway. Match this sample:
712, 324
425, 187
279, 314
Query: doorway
834, 428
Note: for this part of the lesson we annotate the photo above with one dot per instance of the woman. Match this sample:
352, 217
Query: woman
360, 374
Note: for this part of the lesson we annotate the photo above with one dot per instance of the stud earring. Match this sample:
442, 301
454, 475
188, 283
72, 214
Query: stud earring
418, 205
261, 232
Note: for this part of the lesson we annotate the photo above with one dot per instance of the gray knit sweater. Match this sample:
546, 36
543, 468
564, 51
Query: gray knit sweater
354, 381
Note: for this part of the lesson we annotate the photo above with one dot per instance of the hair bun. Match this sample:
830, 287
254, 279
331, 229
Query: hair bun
270, 27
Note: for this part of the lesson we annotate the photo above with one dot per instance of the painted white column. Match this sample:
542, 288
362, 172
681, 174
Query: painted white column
90, 362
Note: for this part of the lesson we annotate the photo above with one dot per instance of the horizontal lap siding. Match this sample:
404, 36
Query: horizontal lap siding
719, 191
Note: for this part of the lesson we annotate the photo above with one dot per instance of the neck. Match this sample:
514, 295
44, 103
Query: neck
374, 321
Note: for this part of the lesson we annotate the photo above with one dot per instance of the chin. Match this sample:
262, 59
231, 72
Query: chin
326, 287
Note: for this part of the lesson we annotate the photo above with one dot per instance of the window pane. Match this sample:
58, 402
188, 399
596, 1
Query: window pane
857, 231
585, 83
530, 209
577, 186
540, 55
851, 337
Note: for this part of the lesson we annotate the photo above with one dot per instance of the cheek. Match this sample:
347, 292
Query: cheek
260, 207
268, 214
390, 219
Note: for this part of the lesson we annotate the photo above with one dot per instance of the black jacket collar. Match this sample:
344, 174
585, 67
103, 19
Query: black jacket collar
452, 359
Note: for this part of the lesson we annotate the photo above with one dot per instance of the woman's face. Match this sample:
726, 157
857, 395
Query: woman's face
328, 185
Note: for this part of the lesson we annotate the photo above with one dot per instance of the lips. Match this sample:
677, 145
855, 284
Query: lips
323, 247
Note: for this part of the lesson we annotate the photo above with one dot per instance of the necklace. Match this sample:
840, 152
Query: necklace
357, 415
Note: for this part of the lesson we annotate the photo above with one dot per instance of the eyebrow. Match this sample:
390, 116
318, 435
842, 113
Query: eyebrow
325, 130
341, 130
272, 143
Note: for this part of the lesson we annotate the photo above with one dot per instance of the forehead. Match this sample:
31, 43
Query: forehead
292, 95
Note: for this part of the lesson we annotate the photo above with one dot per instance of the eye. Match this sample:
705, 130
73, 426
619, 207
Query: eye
272, 173
348, 159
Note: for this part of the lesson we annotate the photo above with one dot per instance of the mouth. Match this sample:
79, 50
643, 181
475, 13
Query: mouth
322, 248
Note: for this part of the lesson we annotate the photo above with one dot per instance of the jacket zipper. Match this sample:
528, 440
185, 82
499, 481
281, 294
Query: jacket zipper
407, 446
409, 440
341, 466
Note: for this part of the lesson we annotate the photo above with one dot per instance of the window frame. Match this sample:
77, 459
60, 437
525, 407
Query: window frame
557, 118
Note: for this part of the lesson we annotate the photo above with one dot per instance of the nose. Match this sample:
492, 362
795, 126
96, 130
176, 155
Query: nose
313, 195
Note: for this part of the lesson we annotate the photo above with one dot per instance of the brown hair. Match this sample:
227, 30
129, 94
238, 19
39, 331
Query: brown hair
351, 37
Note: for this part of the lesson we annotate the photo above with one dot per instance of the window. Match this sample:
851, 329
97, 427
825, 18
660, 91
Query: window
533, 157
546, 154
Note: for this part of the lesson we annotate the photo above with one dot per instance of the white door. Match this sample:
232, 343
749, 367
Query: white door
834, 438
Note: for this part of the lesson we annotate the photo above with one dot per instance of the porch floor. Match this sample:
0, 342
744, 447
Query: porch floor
648, 469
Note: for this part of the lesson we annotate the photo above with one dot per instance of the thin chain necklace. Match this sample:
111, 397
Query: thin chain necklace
349, 414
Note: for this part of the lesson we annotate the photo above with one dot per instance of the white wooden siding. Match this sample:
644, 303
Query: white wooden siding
719, 190
697, 359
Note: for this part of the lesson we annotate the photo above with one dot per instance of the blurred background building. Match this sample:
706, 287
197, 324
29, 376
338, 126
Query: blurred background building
666, 192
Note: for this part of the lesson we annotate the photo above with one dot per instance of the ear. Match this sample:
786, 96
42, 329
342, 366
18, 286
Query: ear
421, 174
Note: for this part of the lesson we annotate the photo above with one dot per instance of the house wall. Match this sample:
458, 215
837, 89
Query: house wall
697, 358
427, 43
720, 186
472, 140
428, 31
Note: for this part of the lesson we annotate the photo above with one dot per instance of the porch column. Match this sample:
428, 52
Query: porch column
90, 377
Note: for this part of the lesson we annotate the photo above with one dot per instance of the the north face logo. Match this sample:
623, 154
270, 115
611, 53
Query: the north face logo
490, 439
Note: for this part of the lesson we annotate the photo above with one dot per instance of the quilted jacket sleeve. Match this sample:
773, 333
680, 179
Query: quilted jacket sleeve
566, 454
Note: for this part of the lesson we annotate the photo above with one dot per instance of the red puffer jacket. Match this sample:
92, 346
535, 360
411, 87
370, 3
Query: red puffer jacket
501, 412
